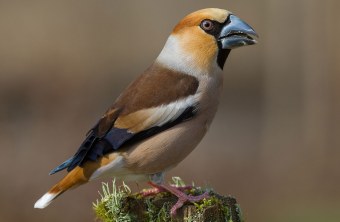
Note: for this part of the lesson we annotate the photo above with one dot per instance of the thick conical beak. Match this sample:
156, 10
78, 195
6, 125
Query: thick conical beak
236, 33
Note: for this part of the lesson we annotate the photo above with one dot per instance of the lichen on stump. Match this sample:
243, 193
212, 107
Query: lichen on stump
119, 204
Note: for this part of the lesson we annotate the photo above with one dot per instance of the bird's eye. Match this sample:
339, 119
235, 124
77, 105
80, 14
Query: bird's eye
207, 25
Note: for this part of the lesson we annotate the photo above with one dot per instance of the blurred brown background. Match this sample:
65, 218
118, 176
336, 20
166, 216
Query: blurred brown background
274, 144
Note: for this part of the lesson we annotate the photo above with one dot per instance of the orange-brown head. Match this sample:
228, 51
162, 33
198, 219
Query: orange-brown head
202, 40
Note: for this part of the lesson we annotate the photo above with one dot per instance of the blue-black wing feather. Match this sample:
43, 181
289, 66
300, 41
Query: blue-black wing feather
95, 145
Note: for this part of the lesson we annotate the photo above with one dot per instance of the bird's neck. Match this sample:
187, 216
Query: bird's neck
175, 58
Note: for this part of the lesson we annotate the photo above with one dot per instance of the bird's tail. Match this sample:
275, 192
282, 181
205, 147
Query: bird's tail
73, 179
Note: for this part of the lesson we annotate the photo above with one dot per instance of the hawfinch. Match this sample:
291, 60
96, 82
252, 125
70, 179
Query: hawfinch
162, 115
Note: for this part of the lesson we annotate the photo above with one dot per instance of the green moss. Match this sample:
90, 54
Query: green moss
110, 207
239, 211
177, 181
154, 214
205, 203
118, 204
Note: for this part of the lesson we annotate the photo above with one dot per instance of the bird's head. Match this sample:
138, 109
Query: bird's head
202, 40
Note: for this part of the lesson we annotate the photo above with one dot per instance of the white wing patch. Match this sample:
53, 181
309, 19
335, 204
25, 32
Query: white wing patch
156, 116
173, 110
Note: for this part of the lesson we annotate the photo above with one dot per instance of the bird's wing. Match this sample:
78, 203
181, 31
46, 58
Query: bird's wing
157, 100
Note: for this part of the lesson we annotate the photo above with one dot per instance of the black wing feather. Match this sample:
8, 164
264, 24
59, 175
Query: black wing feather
94, 146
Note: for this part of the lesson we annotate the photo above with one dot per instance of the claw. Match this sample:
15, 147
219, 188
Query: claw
181, 200
178, 192
150, 192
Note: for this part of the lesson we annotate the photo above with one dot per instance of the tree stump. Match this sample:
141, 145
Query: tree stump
118, 204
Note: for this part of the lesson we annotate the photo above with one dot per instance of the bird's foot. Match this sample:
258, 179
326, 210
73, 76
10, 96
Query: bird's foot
182, 198
157, 189
152, 191
178, 192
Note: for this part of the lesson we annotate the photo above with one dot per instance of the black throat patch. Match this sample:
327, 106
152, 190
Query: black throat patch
222, 56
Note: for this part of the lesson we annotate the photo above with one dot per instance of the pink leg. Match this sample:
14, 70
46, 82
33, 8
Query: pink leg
182, 197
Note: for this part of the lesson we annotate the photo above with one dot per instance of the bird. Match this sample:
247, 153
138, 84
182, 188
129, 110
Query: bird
164, 113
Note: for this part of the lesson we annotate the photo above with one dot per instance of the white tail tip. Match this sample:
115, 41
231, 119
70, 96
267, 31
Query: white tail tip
45, 200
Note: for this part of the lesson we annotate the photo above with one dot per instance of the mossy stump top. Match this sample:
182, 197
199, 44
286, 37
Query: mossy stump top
118, 204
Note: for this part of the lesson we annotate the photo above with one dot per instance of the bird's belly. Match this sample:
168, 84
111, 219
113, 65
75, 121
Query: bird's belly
165, 150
